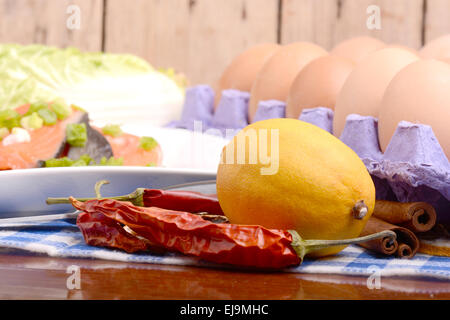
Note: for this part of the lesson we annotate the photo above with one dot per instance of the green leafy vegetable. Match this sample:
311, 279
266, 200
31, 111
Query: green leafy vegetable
179, 78
112, 130
44, 73
76, 134
147, 143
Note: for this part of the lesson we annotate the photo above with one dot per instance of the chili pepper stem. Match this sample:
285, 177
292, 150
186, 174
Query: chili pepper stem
303, 247
136, 198
98, 186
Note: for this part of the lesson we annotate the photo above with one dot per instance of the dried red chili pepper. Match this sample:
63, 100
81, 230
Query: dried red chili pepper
189, 201
187, 233
99, 230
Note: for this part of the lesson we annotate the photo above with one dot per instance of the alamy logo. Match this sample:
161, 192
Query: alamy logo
74, 280
374, 280
374, 20
253, 146
73, 22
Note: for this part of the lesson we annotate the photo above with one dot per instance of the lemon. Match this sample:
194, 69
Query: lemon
291, 175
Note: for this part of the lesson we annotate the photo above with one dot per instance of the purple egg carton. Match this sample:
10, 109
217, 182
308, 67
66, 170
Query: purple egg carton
414, 166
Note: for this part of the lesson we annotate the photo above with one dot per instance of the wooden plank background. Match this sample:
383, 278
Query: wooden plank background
200, 37
328, 22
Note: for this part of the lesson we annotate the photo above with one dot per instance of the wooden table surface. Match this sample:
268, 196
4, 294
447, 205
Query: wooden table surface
41, 277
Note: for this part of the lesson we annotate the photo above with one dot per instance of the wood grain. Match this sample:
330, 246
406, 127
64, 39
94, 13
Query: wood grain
309, 20
45, 22
200, 37
327, 22
25, 276
437, 19
197, 37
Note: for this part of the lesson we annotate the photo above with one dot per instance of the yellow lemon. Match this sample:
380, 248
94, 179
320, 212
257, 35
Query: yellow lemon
289, 174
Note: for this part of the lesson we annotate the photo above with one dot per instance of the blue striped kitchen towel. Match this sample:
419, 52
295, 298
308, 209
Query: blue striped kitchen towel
62, 238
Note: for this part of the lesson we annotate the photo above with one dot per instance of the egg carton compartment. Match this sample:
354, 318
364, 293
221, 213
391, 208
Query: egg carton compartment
413, 167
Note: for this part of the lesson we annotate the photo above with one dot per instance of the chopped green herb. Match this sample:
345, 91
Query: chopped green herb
84, 160
76, 134
147, 143
32, 121
115, 161
77, 108
61, 109
35, 107
87, 159
151, 164
49, 116
60, 162
9, 119
79, 163
111, 161
112, 130
3, 132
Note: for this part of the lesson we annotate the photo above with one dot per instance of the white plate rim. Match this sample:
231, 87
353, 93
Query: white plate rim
102, 169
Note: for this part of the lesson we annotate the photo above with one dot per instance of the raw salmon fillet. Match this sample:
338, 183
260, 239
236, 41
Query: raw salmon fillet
126, 146
45, 143
48, 142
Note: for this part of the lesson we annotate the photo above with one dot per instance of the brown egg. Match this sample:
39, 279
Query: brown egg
318, 84
419, 93
356, 49
437, 49
364, 88
242, 71
278, 73
400, 46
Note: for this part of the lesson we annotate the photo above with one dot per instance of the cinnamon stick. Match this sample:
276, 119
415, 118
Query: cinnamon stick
404, 251
404, 246
416, 216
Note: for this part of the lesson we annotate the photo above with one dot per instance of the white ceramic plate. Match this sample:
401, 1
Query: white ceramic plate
182, 149
23, 192
187, 157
